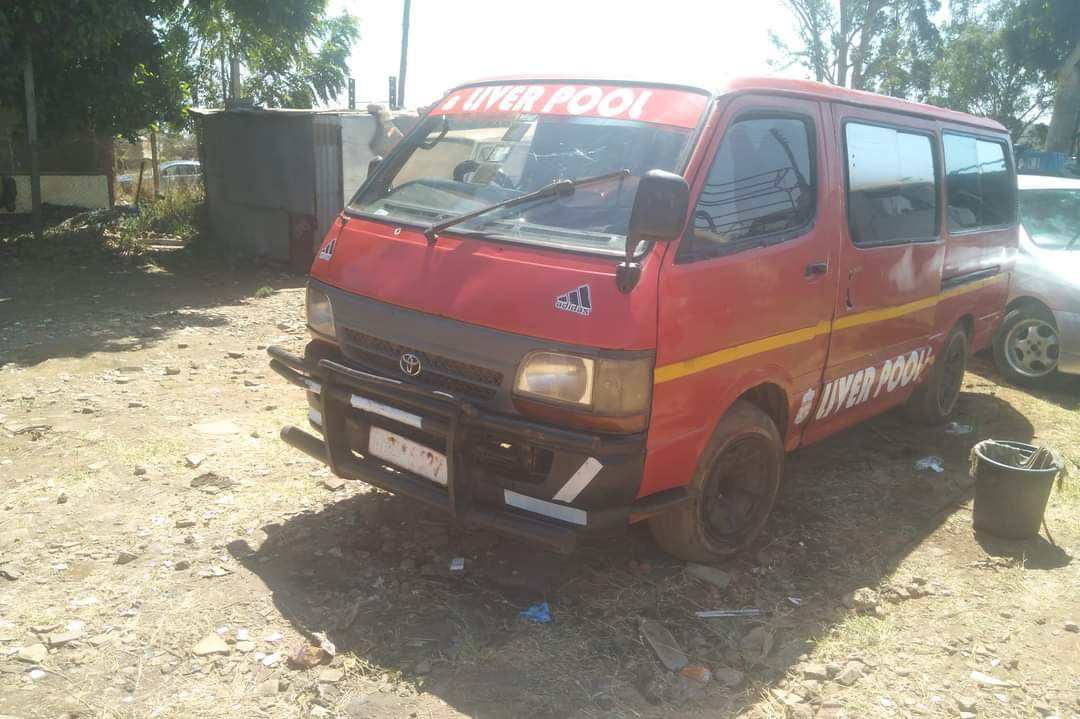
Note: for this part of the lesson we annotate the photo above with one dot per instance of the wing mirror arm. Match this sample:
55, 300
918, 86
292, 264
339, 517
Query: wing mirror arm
658, 215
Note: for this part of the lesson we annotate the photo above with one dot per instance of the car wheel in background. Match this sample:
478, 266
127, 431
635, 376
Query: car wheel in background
1027, 345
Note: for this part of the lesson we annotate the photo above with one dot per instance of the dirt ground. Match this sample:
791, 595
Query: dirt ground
118, 557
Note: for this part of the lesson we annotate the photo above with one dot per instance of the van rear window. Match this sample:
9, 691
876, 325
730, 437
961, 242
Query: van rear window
978, 184
892, 186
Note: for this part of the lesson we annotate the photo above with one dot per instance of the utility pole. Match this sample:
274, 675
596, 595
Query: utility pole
31, 136
404, 54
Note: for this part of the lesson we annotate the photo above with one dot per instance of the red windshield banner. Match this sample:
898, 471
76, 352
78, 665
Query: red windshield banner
662, 106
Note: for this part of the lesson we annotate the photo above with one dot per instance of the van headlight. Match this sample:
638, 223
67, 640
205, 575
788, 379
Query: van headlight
595, 392
320, 315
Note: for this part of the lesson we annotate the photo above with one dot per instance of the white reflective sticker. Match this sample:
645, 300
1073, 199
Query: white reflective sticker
398, 415
579, 481
549, 509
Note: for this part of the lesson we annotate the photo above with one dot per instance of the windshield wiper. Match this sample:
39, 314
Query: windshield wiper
561, 188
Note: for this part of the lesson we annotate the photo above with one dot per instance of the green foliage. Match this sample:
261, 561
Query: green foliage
290, 52
263, 292
978, 74
178, 214
98, 64
1041, 33
884, 45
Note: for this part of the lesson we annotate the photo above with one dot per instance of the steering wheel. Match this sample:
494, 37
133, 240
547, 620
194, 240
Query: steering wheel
469, 166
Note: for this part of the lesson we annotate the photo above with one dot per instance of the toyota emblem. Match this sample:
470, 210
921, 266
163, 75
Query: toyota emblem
409, 364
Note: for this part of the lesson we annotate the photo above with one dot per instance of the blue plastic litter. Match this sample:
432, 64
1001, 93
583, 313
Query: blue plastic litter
538, 613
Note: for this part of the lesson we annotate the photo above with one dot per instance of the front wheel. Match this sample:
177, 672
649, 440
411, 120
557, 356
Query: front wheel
1026, 347
934, 400
732, 492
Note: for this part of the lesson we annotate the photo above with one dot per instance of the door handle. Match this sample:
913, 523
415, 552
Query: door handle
816, 269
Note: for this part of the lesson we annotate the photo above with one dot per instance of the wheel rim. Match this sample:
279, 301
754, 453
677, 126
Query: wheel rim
737, 496
952, 376
1032, 348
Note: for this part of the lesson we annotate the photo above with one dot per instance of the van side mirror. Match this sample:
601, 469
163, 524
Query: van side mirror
658, 215
373, 165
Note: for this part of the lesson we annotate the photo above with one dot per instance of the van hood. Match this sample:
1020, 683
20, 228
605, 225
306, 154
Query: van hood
538, 292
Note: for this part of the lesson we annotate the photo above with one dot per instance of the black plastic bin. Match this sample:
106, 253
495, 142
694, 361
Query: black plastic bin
1009, 499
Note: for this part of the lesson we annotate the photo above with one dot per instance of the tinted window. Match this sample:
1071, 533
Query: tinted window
892, 191
979, 185
761, 183
1052, 218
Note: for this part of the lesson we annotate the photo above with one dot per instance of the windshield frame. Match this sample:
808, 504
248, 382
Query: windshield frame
398, 156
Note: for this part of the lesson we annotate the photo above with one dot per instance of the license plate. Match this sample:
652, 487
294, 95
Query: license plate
408, 455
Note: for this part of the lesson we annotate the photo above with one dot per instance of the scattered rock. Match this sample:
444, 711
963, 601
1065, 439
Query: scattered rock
59, 640
32, 654
222, 426
849, 674
967, 715
788, 699
729, 677
172, 371
813, 671
716, 577
757, 643
245, 646
801, 711
332, 483
990, 681
333, 676
1072, 627
9, 572
663, 643
37, 674
181, 564
212, 480
966, 703
124, 557
271, 660
140, 470
194, 459
268, 688
1042, 708
211, 644
61, 497
182, 345
863, 599
308, 656
185, 523
234, 354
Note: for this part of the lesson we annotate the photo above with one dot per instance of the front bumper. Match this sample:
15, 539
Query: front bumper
570, 484
1069, 335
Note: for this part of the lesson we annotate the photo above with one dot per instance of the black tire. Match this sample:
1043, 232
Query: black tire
934, 400
1027, 321
746, 453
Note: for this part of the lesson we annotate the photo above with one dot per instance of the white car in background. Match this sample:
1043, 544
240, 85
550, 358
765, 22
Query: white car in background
172, 173
1040, 334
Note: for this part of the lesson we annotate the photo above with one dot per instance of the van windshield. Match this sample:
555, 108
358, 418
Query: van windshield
457, 162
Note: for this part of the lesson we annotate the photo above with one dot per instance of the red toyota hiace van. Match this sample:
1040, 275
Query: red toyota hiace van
558, 307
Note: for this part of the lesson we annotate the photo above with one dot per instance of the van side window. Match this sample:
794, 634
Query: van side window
892, 187
762, 183
978, 185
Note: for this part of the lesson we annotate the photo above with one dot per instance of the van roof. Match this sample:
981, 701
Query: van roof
775, 85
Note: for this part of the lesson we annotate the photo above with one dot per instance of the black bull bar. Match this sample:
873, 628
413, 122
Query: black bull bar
450, 419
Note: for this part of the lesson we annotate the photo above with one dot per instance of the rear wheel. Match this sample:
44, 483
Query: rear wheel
934, 400
1026, 347
732, 492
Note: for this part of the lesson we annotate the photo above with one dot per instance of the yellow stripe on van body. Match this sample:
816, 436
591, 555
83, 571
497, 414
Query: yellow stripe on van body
677, 370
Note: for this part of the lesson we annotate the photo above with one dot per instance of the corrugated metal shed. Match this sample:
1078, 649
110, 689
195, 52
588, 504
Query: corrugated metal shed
276, 179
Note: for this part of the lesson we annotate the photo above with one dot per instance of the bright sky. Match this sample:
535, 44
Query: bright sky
452, 41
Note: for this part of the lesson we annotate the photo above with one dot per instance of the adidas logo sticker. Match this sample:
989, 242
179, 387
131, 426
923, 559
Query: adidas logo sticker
327, 252
578, 301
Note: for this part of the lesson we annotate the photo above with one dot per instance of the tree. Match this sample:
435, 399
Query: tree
1044, 35
863, 44
291, 52
86, 65
978, 74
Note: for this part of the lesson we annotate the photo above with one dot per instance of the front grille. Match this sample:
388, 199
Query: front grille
450, 375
